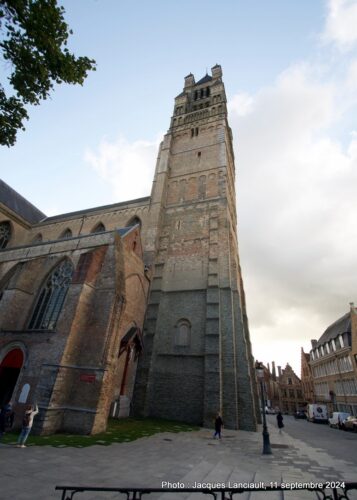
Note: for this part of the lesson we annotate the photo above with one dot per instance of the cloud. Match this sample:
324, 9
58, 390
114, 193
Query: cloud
127, 166
296, 211
341, 23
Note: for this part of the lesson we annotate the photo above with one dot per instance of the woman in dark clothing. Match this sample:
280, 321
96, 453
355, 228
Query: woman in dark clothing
280, 419
218, 424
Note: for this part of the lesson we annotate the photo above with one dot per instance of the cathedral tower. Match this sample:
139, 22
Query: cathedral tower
197, 357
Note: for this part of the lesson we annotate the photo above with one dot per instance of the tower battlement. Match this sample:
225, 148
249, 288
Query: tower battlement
205, 98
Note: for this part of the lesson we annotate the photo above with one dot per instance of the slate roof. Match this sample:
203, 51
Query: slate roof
205, 79
18, 204
124, 230
95, 209
342, 325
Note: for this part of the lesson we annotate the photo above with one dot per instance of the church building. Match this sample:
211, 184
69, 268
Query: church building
136, 307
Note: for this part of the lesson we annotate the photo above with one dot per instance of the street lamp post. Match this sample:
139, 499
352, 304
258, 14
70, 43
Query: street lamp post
266, 440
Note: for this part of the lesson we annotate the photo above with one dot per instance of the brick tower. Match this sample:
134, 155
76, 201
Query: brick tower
197, 358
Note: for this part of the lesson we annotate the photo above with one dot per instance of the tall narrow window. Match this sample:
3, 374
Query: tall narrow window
5, 233
51, 298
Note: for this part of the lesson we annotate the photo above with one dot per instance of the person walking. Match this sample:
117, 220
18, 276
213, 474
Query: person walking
27, 422
218, 424
279, 419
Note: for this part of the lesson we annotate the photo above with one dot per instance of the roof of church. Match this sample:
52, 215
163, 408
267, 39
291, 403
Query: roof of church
342, 325
18, 204
87, 210
205, 79
124, 230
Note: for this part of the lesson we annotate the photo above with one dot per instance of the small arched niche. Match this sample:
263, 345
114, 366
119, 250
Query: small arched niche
67, 233
99, 228
134, 221
182, 333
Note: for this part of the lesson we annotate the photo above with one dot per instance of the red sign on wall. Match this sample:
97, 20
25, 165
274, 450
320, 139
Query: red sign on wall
87, 377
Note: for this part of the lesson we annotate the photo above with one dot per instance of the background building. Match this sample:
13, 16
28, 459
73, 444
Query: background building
75, 287
307, 380
333, 361
291, 397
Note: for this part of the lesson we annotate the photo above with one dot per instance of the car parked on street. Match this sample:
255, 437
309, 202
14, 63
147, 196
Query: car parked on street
300, 414
338, 417
269, 411
350, 424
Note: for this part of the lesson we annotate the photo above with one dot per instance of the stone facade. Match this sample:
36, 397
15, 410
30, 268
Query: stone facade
197, 278
333, 362
307, 380
197, 358
271, 387
72, 370
291, 398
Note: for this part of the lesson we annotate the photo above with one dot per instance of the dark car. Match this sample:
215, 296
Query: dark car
300, 414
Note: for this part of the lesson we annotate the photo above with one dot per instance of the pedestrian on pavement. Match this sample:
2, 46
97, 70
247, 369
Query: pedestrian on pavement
27, 422
218, 424
279, 419
7, 416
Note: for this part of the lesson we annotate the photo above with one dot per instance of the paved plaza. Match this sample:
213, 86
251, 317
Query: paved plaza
186, 458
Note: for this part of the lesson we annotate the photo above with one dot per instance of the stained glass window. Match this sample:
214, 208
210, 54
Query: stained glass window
5, 234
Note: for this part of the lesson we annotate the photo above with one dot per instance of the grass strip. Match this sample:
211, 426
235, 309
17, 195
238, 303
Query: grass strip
118, 431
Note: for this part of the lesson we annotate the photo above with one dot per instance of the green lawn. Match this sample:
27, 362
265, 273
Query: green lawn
118, 431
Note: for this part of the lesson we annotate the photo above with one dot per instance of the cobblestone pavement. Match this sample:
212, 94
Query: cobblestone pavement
185, 458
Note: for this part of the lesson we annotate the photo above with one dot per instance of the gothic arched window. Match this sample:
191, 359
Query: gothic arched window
99, 228
183, 333
134, 221
67, 233
5, 234
51, 297
37, 238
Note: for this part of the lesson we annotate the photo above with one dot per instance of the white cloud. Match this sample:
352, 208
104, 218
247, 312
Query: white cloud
241, 104
341, 23
296, 210
128, 167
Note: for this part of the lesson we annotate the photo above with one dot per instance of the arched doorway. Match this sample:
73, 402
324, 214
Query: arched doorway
10, 368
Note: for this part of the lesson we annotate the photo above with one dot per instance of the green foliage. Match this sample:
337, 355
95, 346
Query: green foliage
34, 42
118, 431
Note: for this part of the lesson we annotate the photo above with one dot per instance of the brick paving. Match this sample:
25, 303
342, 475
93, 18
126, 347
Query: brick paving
33, 473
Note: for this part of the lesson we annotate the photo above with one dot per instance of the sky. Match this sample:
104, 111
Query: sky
290, 72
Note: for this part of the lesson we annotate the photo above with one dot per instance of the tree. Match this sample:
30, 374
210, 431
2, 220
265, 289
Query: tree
33, 40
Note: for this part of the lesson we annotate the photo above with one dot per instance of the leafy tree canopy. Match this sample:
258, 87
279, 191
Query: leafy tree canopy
33, 39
